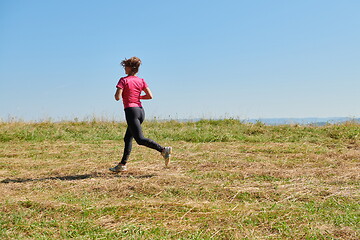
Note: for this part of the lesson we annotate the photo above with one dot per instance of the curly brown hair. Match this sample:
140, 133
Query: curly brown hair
133, 62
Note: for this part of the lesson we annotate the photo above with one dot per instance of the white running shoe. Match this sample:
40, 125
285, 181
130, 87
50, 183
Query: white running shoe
118, 168
166, 154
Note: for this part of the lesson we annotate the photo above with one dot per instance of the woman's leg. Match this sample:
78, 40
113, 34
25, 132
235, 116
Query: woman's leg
128, 146
134, 118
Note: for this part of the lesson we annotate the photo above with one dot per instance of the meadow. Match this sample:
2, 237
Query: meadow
227, 180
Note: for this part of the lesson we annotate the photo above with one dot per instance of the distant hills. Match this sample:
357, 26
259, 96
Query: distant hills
303, 121
282, 121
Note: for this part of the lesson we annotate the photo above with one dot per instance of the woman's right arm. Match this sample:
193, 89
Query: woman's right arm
148, 94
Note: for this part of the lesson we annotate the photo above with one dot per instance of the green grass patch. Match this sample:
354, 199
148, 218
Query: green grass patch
227, 180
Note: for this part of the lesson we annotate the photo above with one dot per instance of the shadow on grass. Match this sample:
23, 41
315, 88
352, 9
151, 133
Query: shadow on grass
78, 177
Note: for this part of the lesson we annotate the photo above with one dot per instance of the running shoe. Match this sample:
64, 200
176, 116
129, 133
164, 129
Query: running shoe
118, 168
166, 154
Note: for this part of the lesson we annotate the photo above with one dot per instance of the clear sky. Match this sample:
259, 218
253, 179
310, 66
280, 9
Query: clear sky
60, 59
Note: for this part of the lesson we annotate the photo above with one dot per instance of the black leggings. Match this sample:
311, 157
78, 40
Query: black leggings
134, 118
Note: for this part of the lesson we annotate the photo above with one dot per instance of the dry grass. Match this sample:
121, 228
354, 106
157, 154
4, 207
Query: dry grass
237, 189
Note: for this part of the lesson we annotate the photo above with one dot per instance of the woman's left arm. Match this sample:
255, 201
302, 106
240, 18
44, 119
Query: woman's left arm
118, 94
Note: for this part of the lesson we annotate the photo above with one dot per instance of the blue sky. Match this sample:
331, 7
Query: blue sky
207, 59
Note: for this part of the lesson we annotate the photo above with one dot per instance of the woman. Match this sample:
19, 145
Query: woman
130, 89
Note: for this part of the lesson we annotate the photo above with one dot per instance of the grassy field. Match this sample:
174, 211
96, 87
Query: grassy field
227, 180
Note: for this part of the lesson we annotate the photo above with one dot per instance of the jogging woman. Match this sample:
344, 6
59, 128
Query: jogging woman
129, 88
